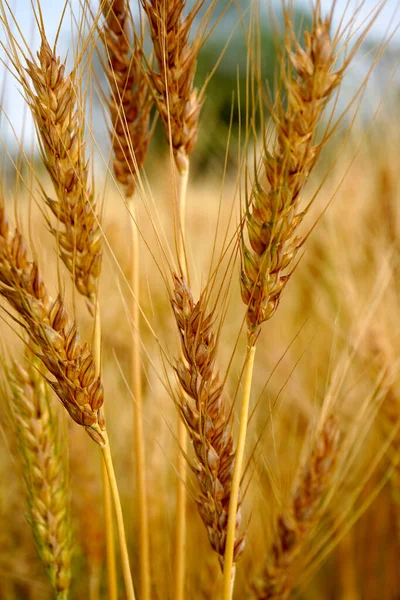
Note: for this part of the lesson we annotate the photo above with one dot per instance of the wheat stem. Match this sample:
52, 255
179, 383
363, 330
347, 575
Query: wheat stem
112, 589
181, 500
126, 571
144, 545
229, 567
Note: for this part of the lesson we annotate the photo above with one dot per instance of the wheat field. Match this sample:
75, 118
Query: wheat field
199, 391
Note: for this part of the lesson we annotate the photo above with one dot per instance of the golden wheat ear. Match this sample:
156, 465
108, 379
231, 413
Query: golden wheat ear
309, 77
44, 470
206, 415
130, 106
131, 99
53, 99
273, 213
295, 523
53, 332
179, 104
177, 99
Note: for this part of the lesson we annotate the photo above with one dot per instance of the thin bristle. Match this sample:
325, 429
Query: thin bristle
205, 414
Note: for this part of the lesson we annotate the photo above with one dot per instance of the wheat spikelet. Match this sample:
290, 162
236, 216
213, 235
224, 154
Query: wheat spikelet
294, 524
59, 124
273, 214
177, 99
205, 415
130, 102
44, 472
53, 332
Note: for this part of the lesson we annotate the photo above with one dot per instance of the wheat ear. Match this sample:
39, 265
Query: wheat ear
294, 525
44, 470
177, 99
59, 124
53, 332
272, 213
130, 106
206, 416
131, 101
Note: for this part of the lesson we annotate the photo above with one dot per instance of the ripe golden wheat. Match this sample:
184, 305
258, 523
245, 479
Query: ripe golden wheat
272, 454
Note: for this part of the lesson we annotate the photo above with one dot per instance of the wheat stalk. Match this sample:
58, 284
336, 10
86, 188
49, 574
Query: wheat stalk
44, 470
206, 416
87, 508
379, 353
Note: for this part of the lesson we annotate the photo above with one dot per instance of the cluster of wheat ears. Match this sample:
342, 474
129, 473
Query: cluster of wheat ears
216, 460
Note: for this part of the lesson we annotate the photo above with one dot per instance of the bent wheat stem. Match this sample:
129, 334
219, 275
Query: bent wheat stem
229, 567
126, 571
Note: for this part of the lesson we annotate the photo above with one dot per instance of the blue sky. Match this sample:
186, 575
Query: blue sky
52, 10
13, 105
